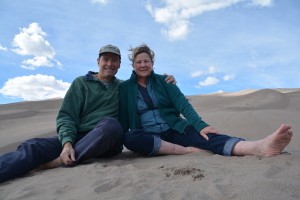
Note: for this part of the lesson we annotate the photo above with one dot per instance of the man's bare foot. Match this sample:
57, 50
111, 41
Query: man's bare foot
276, 142
49, 165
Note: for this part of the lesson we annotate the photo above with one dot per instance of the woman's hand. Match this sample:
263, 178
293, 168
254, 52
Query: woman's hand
208, 130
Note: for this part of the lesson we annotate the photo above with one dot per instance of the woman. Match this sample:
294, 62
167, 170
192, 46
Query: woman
151, 109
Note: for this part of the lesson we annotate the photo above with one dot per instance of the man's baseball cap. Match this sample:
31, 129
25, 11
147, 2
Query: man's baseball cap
110, 49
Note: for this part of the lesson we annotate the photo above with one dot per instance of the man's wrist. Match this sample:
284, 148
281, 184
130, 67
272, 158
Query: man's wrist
67, 144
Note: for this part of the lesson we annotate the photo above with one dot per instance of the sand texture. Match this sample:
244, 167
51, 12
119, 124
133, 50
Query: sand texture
250, 114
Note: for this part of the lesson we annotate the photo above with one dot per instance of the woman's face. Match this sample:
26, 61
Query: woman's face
143, 65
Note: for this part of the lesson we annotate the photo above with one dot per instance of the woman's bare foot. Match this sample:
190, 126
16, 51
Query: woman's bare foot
49, 165
270, 146
276, 142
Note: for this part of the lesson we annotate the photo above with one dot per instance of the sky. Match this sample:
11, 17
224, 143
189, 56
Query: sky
209, 46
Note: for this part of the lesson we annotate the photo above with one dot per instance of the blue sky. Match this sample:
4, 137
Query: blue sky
208, 45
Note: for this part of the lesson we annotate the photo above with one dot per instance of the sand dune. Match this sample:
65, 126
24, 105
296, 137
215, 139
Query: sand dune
203, 175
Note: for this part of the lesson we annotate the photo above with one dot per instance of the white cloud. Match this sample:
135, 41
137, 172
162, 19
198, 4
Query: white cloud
210, 80
228, 77
102, 2
176, 14
219, 92
212, 69
197, 74
36, 62
177, 30
263, 3
2, 48
31, 42
35, 87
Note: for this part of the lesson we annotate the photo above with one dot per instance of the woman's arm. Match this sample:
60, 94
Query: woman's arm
181, 103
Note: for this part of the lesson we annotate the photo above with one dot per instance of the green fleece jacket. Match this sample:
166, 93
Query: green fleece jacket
86, 102
172, 103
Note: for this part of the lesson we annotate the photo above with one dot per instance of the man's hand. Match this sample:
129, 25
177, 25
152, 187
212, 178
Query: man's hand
170, 79
207, 130
68, 154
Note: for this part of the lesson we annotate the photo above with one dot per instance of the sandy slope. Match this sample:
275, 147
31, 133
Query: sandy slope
251, 115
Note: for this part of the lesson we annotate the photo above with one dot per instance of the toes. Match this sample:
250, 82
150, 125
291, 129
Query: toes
290, 132
284, 127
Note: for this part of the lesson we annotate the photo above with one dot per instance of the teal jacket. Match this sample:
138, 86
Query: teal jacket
86, 102
171, 100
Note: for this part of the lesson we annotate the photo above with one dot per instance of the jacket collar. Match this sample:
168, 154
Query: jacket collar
90, 76
134, 76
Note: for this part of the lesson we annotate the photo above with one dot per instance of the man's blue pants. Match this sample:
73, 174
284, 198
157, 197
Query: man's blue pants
104, 140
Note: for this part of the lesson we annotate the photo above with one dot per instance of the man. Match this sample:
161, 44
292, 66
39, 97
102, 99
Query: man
87, 124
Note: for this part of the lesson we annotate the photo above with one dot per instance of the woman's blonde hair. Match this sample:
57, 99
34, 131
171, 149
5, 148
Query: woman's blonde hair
141, 49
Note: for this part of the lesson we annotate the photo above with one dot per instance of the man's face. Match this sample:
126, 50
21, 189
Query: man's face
108, 63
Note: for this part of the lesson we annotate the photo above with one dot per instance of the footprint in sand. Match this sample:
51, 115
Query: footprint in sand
195, 173
105, 185
272, 171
